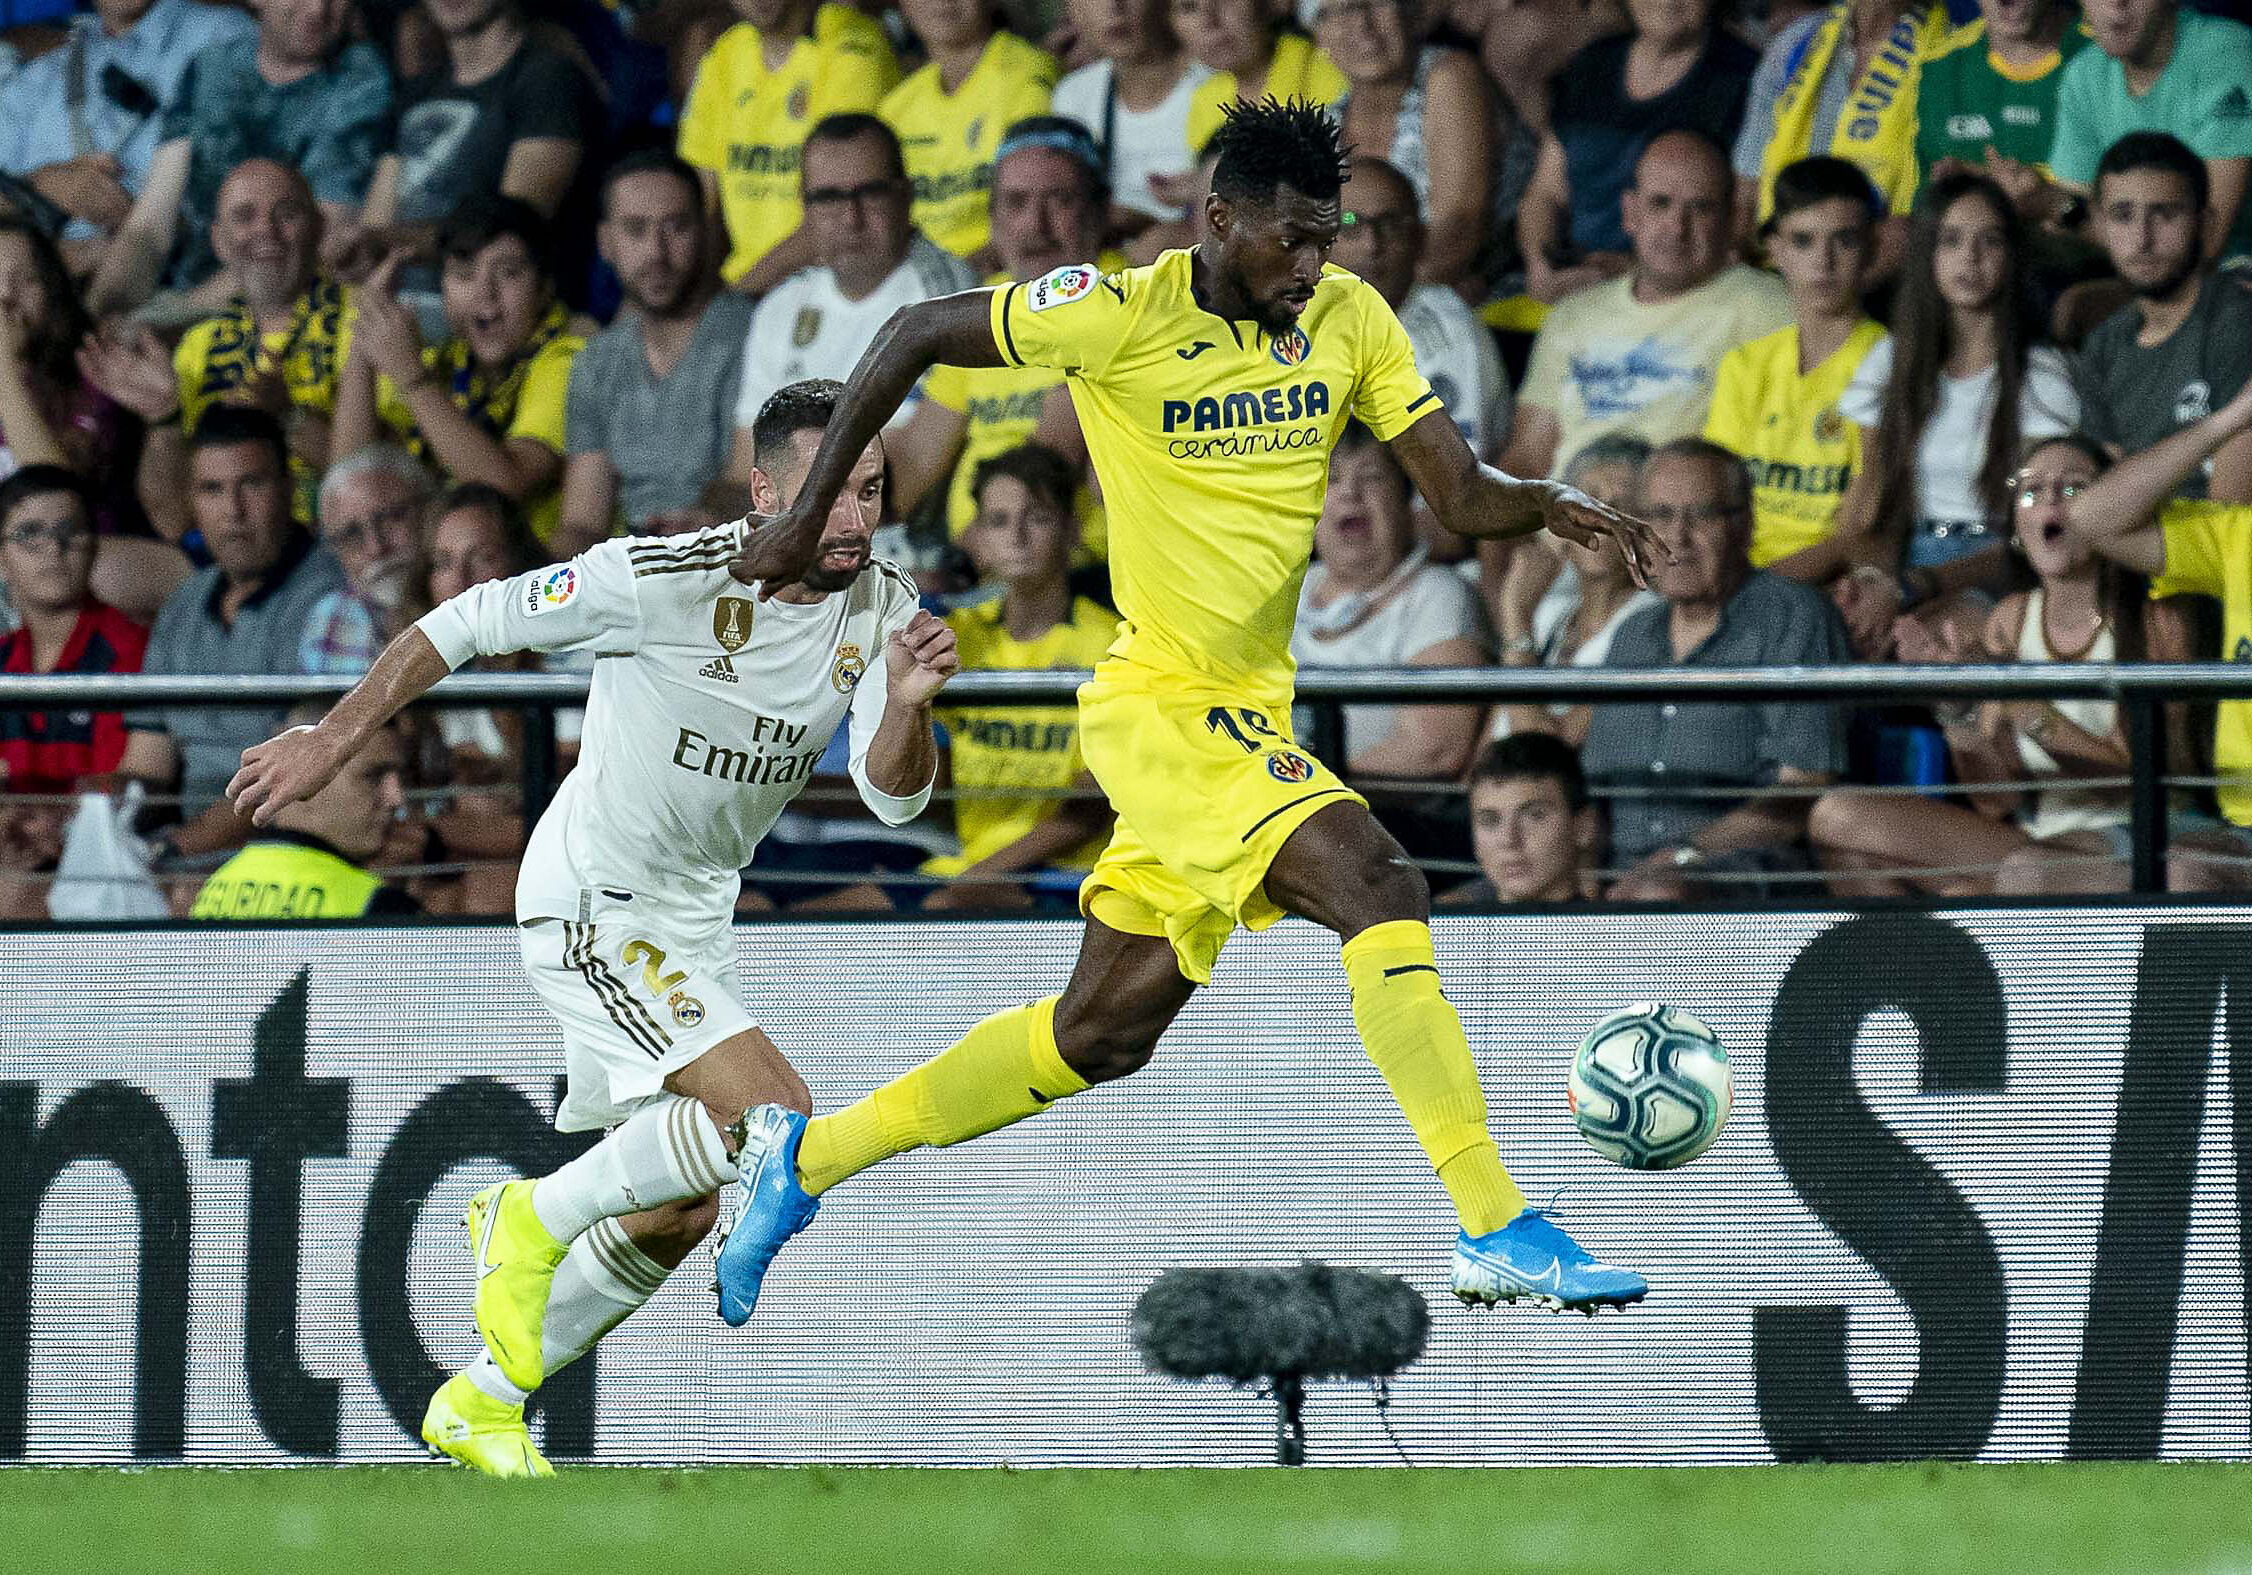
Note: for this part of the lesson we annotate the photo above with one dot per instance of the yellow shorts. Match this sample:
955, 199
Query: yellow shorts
1208, 786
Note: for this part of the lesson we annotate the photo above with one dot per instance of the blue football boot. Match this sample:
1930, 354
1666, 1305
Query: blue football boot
1532, 1256
775, 1207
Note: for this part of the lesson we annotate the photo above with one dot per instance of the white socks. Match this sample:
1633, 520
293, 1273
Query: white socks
660, 1155
598, 1286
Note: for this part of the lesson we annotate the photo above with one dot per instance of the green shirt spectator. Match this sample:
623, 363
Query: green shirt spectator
1995, 91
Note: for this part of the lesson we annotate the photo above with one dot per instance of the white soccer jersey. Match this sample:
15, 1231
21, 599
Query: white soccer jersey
707, 711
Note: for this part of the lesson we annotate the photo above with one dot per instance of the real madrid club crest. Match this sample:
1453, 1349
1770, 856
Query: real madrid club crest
731, 627
687, 1011
1291, 348
850, 664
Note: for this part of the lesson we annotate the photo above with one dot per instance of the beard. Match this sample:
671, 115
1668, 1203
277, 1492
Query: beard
819, 576
2167, 285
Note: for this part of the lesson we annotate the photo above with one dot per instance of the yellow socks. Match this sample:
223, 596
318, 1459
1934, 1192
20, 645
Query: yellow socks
1004, 1069
1416, 1041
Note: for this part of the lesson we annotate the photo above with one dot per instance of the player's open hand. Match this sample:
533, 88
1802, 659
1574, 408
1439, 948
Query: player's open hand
286, 769
776, 550
1573, 515
919, 660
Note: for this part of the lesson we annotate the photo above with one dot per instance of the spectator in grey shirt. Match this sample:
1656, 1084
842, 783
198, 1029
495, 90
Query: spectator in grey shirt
1717, 611
649, 422
246, 613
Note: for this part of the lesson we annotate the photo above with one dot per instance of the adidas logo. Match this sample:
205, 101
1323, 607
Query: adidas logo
721, 668
2235, 104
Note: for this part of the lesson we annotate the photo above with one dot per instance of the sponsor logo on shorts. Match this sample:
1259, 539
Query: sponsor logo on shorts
1284, 766
552, 589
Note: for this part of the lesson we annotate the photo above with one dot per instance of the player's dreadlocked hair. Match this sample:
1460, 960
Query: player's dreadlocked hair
1272, 144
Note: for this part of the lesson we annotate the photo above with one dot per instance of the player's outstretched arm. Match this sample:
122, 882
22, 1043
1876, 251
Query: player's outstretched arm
1474, 499
956, 330
2114, 514
295, 765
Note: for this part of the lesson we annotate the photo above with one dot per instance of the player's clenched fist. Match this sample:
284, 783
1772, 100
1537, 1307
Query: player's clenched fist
286, 769
1573, 515
920, 658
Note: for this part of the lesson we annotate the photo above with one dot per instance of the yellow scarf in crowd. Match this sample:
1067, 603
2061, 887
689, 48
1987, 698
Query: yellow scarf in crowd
1878, 127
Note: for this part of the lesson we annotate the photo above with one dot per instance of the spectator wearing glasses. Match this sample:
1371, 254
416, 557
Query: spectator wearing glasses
1718, 612
487, 403
1424, 110
81, 122
1677, 68
300, 93
1533, 829
2052, 839
787, 65
650, 412
2183, 346
952, 114
869, 261
47, 561
372, 505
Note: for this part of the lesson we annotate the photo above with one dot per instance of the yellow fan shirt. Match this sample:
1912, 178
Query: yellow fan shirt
1787, 427
1211, 439
747, 124
1299, 69
2209, 552
1012, 764
527, 407
949, 138
226, 352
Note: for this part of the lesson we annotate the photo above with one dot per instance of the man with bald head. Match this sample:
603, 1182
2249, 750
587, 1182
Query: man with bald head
278, 343
1637, 353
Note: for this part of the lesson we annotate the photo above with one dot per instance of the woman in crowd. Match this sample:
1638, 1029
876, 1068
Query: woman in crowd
486, 405
2056, 839
1945, 405
1424, 110
1134, 95
1775, 400
982, 79
1676, 69
1253, 51
1565, 616
1373, 600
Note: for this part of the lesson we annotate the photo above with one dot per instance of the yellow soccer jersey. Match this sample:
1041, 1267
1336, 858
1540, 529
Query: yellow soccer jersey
221, 354
746, 124
1300, 69
1787, 427
1211, 439
2209, 552
950, 138
526, 407
1005, 756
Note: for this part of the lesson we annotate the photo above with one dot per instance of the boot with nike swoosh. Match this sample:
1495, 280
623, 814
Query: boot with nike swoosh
1531, 1256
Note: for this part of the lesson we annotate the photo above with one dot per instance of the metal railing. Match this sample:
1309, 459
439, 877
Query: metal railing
2139, 689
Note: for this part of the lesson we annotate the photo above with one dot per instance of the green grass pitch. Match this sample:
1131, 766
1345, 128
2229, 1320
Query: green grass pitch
2149, 1519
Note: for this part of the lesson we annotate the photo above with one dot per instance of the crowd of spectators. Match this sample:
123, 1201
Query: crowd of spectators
1915, 328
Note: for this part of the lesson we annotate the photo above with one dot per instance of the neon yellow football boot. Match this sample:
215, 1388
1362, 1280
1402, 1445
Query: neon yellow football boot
516, 1261
468, 1425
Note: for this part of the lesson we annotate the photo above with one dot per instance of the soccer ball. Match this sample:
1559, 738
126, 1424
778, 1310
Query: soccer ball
1650, 1087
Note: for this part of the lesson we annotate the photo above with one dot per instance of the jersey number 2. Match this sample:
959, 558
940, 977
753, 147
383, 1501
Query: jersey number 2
651, 959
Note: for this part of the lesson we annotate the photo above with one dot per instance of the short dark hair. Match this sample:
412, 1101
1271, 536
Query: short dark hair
651, 161
1060, 134
1727, 460
2155, 150
1037, 468
37, 481
851, 126
1804, 182
1356, 437
807, 405
231, 426
477, 224
523, 548
1541, 755
1271, 144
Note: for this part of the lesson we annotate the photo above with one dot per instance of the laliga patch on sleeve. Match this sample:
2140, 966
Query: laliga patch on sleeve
1066, 285
551, 590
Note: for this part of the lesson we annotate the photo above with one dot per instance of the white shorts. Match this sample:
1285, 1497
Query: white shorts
635, 1006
